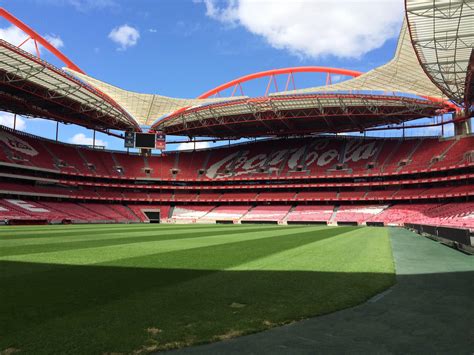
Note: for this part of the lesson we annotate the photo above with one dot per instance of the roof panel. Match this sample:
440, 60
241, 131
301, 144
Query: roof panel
442, 32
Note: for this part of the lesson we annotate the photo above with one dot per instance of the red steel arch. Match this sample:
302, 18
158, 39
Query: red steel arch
35, 36
271, 73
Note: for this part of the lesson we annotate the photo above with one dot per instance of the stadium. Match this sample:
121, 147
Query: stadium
301, 215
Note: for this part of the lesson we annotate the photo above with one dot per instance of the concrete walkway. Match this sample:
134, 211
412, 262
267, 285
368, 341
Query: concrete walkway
429, 311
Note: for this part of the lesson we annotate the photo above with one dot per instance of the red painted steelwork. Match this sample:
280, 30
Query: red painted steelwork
273, 72
37, 37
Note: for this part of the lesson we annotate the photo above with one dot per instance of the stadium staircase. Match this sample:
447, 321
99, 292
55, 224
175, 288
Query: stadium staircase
116, 164
148, 170
331, 220
245, 214
204, 164
176, 166
390, 156
342, 152
375, 159
94, 211
50, 152
284, 220
408, 158
211, 210
86, 163
444, 153
305, 169
170, 212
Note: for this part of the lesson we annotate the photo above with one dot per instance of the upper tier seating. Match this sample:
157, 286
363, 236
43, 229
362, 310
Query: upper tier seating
305, 157
130, 192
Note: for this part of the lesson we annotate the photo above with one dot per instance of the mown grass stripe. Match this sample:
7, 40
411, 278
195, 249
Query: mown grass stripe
137, 238
103, 234
111, 254
52, 231
336, 254
216, 257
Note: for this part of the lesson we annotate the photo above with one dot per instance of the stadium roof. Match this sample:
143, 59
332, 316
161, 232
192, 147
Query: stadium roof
144, 108
396, 92
402, 74
339, 107
33, 87
315, 111
297, 114
442, 32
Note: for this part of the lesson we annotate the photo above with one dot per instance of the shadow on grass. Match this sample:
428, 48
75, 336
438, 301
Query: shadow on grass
98, 309
185, 297
92, 309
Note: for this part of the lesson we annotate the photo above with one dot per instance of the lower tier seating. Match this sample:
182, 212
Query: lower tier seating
267, 213
226, 213
454, 214
357, 214
190, 213
311, 214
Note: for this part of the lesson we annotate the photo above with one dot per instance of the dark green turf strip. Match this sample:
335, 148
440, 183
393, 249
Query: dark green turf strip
222, 256
53, 231
155, 235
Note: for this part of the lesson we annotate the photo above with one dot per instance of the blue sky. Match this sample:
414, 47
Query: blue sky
183, 48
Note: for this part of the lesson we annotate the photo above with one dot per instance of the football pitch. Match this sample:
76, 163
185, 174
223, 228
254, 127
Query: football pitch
95, 289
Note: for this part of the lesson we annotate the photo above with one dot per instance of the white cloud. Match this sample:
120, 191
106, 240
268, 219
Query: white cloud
55, 40
152, 30
80, 138
7, 119
343, 28
125, 35
15, 36
190, 145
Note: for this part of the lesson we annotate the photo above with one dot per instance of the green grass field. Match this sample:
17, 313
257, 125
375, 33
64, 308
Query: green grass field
95, 289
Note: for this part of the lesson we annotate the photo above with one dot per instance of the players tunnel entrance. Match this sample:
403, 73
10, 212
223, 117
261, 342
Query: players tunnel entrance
153, 216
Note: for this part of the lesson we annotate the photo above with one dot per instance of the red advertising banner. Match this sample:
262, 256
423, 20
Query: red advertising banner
160, 140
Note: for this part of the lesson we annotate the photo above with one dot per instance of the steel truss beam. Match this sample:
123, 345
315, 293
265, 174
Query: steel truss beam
272, 116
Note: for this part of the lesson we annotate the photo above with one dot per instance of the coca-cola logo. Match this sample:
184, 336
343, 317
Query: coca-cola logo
323, 153
17, 144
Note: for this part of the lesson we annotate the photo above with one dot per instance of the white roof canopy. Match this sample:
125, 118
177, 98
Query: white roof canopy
403, 74
442, 32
